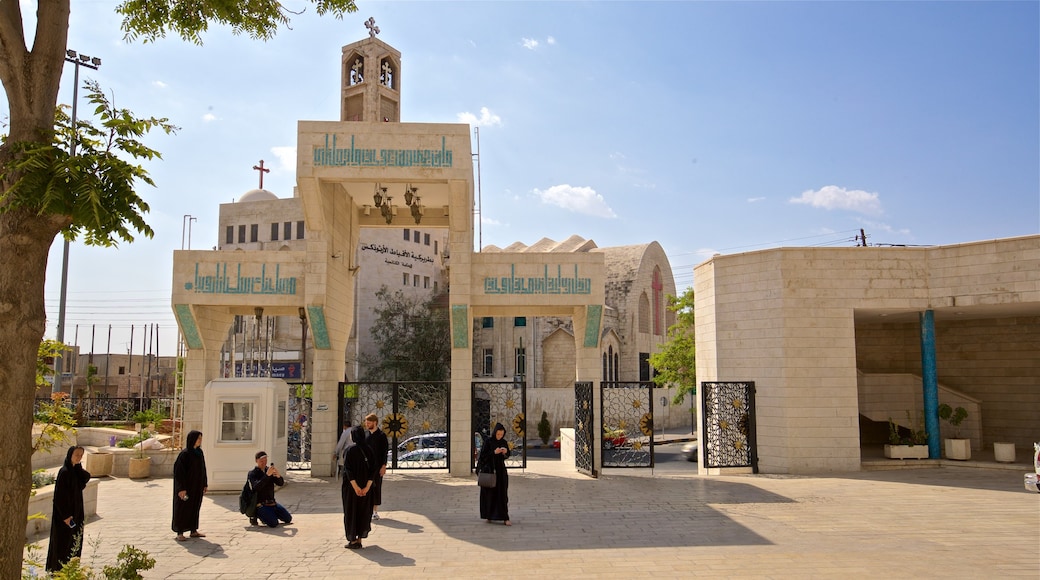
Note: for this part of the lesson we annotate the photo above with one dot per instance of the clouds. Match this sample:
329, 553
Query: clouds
286, 157
582, 200
532, 44
486, 118
834, 197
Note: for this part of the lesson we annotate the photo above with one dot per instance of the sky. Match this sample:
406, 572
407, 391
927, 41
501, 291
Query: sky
710, 127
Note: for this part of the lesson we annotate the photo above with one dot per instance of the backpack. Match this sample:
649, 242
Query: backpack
247, 500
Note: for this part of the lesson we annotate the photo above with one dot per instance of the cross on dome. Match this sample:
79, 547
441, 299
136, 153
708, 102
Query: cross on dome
262, 171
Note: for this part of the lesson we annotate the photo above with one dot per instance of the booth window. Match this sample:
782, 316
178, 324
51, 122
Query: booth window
236, 421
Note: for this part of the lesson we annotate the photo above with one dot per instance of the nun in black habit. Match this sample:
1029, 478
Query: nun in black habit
494, 501
67, 515
359, 470
189, 485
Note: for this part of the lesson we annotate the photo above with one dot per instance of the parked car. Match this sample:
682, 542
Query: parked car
689, 451
428, 457
613, 438
424, 441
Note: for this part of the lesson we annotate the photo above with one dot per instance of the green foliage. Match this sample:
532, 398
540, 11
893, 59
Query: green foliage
131, 562
544, 428
413, 338
48, 350
55, 422
909, 435
92, 377
953, 416
676, 363
129, 442
260, 19
40, 478
94, 187
149, 417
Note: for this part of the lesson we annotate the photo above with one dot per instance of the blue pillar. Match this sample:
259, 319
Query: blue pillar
930, 383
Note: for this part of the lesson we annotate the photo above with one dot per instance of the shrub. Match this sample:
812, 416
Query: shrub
544, 429
41, 478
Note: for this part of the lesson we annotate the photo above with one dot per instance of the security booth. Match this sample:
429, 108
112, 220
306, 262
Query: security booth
240, 417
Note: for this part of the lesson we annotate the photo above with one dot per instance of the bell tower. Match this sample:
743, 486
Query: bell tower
371, 80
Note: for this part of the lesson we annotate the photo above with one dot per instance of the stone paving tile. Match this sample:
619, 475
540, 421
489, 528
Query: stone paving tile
921, 523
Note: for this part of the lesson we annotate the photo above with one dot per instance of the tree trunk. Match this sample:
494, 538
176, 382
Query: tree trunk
31, 80
25, 242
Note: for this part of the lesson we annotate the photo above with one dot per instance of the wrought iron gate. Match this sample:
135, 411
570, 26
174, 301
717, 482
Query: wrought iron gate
415, 416
728, 423
298, 454
505, 403
627, 410
583, 419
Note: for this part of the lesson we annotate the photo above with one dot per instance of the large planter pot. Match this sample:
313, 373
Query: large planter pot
139, 468
1004, 452
906, 451
959, 449
98, 464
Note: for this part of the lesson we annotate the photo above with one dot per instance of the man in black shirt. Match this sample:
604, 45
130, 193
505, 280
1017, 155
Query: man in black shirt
379, 445
262, 480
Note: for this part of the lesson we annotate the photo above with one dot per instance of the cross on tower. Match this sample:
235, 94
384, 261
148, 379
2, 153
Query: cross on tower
370, 24
262, 171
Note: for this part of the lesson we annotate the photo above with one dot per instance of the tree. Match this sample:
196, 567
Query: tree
413, 339
44, 191
676, 364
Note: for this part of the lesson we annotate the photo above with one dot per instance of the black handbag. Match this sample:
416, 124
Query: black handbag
486, 479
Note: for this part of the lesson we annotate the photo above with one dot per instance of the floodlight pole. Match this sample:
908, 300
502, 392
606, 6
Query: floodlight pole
78, 60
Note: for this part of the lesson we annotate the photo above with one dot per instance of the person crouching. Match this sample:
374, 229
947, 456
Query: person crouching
262, 479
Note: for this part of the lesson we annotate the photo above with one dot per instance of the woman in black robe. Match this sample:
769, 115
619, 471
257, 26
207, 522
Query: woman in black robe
494, 501
189, 485
67, 515
359, 469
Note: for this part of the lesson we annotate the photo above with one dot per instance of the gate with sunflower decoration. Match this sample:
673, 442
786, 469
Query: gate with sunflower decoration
506, 403
627, 412
728, 422
414, 415
583, 420
298, 435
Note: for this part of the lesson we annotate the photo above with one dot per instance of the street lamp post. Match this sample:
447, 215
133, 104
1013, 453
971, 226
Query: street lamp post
90, 62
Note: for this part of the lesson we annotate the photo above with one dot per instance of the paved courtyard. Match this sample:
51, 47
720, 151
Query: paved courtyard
950, 522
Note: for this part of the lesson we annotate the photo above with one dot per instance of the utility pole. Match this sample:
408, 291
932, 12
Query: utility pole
90, 62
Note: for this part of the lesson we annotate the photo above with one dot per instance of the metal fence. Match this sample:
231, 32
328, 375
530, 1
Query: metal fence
111, 409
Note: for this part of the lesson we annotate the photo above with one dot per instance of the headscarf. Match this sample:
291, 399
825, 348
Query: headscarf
498, 427
68, 458
193, 436
75, 469
357, 435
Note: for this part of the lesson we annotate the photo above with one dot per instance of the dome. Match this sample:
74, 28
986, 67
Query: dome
257, 195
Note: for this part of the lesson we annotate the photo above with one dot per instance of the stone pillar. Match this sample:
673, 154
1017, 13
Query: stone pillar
460, 247
587, 321
202, 364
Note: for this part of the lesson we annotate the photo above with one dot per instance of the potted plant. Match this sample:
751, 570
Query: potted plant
956, 448
906, 442
140, 466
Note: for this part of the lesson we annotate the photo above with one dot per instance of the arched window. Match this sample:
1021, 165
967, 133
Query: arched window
355, 73
617, 367
605, 367
658, 289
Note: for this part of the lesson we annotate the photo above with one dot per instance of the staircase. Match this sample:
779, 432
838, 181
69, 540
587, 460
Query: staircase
884, 396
